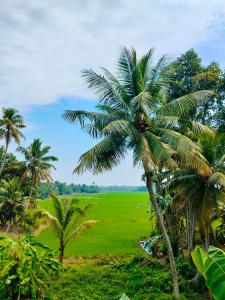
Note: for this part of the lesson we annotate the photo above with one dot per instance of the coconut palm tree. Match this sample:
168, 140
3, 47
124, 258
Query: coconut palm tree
201, 195
133, 114
65, 221
10, 125
37, 164
13, 203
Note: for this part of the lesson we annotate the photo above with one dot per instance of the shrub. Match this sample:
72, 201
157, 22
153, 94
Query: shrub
25, 266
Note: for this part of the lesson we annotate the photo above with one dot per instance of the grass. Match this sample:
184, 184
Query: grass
123, 222
141, 278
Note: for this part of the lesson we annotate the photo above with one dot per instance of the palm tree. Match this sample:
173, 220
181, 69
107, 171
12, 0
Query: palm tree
10, 125
201, 195
133, 114
37, 164
65, 221
12, 202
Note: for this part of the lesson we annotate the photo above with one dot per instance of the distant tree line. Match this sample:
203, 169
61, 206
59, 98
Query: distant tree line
62, 188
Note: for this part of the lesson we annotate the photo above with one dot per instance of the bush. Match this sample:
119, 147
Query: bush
25, 266
140, 278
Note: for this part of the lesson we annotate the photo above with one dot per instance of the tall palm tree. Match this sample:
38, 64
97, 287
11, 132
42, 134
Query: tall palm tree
10, 125
37, 164
202, 195
65, 221
133, 114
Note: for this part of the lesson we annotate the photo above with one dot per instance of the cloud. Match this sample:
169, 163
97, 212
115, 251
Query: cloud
45, 43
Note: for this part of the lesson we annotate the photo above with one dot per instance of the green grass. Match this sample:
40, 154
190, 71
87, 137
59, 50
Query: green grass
123, 222
141, 278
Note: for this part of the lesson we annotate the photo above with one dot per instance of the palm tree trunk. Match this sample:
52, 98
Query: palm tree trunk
4, 158
149, 184
61, 252
31, 187
190, 226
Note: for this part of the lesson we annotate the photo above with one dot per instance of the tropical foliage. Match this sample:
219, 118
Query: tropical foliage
25, 266
134, 114
211, 265
37, 164
14, 205
171, 116
65, 221
11, 124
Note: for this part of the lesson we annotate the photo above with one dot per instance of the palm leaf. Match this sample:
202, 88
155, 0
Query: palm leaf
182, 106
103, 156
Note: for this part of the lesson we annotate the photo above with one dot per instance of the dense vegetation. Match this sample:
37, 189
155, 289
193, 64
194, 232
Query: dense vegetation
139, 277
171, 115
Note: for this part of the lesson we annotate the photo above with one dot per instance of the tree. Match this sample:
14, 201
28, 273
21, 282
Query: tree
25, 268
13, 203
133, 114
12, 165
189, 75
10, 125
201, 195
37, 164
65, 221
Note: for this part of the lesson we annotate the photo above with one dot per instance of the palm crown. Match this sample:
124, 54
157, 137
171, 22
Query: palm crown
37, 164
10, 125
133, 114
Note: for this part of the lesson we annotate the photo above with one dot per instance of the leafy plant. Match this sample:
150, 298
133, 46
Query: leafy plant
13, 204
211, 265
25, 267
65, 221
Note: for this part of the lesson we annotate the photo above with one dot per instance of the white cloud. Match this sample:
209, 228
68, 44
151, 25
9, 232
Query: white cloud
45, 43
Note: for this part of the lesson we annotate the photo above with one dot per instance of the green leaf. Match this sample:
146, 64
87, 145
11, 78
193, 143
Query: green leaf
199, 256
7, 267
212, 266
215, 272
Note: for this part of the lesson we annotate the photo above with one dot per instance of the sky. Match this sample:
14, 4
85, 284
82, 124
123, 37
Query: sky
45, 44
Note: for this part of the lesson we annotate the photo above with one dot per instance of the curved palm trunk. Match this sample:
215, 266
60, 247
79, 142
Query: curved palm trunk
4, 158
149, 184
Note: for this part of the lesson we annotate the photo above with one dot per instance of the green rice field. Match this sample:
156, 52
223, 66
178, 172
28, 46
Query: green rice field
123, 221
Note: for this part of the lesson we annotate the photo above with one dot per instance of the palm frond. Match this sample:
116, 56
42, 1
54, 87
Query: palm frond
78, 230
199, 128
103, 156
217, 178
122, 128
180, 107
142, 103
161, 152
126, 69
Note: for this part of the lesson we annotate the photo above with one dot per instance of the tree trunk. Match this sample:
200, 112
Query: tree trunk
61, 252
31, 187
190, 226
4, 158
158, 213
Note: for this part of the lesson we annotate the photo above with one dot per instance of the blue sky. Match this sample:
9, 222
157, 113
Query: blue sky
44, 46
